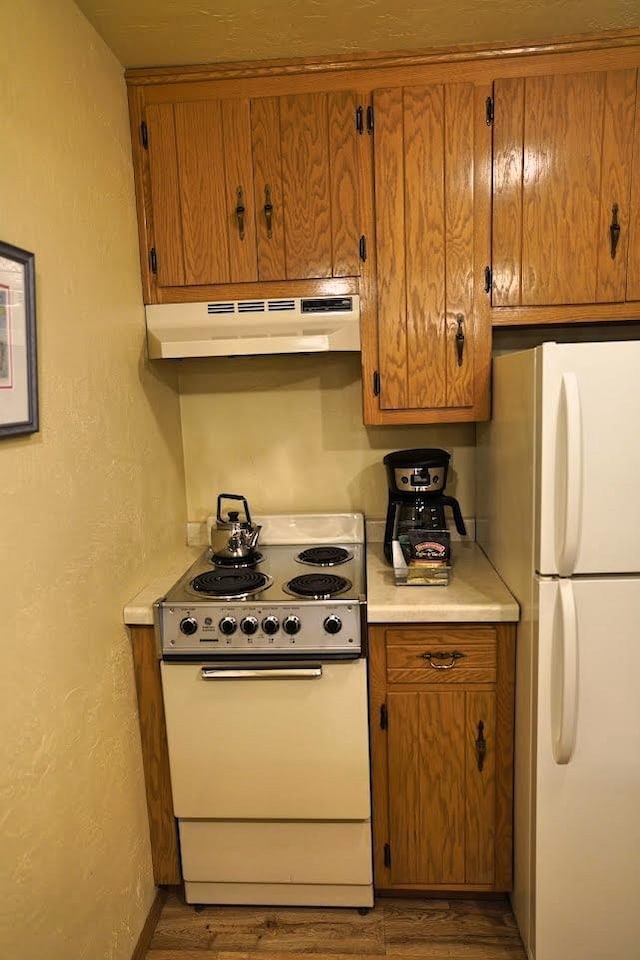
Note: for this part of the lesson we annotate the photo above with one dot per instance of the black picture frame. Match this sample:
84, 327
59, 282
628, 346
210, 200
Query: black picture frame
18, 345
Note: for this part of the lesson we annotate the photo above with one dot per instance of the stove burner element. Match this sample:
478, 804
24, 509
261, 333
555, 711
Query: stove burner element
230, 585
317, 586
324, 556
236, 563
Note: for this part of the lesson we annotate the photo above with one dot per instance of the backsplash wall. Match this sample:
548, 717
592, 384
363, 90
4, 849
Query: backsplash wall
287, 432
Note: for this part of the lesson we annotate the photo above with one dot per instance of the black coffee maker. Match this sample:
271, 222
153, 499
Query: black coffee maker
417, 479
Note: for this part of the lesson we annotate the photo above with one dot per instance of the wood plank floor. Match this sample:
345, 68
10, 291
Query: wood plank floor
400, 929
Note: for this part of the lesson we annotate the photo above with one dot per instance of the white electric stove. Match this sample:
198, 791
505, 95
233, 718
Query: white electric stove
265, 696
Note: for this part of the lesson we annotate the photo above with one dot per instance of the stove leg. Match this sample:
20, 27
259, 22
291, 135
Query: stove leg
363, 911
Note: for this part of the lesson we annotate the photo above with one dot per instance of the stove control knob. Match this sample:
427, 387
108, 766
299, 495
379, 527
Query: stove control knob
249, 625
291, 625
189, 625
270, 625
333, 624
228, 625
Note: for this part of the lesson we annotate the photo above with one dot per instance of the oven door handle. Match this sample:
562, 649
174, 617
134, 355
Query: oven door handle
312, 672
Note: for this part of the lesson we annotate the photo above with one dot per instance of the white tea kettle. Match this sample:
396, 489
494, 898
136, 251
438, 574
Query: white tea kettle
232, 538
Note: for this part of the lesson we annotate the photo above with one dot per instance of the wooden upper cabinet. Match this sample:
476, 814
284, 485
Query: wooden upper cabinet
201, 179
254, 189
564, 230
432, 347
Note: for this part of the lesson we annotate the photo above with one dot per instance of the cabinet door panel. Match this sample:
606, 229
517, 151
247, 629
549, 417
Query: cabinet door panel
200, 153
238, 167
507, 192
561, 187
305, 185
480, 793
425, 245
424, 186
390, 247
619, 112
458, 160
633, 252
562, 156
344, 181
426, 816
165, 194
267, 173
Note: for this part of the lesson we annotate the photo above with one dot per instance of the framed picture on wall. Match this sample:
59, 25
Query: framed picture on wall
18, 368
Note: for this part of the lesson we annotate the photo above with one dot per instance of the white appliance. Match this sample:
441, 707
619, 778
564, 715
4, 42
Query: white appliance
246, 327
559, 517
265, 694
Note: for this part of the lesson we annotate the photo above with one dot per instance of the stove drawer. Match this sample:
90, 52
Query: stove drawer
266, 852
292, 746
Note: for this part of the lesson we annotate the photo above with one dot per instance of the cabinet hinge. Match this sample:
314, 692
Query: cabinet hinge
488, 279
384, 717
489, 111
362, 247
376, 383
370, 119
359, 120
144, 135
153, 260
387, 855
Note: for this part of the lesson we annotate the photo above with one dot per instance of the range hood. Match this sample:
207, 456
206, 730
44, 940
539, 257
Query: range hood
244, 327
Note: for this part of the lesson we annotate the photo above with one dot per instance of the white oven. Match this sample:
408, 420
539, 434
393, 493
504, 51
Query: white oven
270, 777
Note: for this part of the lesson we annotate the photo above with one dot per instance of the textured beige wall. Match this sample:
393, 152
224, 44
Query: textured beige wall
287, 432
89, 505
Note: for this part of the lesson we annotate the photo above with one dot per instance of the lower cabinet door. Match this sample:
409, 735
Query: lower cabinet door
441, 775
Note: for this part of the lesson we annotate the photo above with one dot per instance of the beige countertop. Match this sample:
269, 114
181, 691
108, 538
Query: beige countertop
139, 610
475, 592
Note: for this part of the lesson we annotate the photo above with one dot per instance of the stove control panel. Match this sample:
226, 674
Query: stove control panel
202, 629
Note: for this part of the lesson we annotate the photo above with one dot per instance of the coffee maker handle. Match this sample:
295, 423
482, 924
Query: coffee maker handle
457, 514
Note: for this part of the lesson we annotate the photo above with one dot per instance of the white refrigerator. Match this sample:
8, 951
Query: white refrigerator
559, 517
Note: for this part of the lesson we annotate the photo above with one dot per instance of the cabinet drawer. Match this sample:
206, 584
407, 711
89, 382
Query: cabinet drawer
441, 655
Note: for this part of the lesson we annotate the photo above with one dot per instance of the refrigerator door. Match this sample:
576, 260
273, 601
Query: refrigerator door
588, 413
587, 860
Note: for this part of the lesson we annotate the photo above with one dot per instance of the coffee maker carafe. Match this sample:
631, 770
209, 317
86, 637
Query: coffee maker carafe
417, 479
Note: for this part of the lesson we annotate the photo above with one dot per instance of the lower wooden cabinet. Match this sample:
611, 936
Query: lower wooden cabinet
442, 703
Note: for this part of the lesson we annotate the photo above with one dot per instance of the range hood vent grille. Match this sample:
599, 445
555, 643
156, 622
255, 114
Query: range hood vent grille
214, 308
253, 327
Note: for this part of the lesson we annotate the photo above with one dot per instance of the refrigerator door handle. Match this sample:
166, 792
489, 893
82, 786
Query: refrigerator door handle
564, 676
571, 451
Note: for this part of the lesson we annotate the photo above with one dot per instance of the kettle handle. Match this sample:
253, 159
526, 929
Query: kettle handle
232, 496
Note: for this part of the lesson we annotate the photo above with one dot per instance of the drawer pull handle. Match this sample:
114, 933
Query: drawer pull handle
435, 659
481, 746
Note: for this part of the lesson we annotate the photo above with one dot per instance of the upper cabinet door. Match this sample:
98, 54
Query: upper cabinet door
562, 160
307, 192
201, 177
262, 189
424, 207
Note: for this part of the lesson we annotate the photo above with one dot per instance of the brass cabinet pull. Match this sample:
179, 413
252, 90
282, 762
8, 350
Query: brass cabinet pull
440, 655
268, 211
481, 746
240, 212
614, 230
460, 338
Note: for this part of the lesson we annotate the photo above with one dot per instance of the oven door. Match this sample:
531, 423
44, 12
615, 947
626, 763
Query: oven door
268, 741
